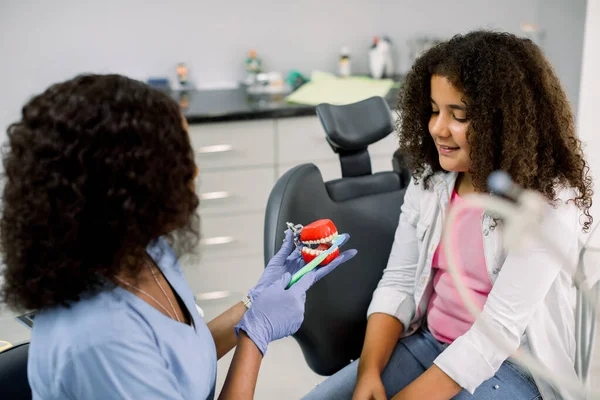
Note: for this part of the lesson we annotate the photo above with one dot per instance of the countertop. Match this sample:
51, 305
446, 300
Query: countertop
202, 106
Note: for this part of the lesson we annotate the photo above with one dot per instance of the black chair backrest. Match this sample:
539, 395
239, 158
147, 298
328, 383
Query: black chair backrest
14, 384
366, 206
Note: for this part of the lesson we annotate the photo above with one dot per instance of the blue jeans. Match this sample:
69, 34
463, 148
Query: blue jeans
412, 356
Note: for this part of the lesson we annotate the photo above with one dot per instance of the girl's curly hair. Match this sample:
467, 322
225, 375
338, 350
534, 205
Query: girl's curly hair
521, 120
97, 168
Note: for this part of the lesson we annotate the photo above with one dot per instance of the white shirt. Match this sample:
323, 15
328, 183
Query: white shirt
531, 303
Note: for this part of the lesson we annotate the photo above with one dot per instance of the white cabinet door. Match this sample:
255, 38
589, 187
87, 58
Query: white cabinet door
231, 235
234, 144
219, 278
234, 191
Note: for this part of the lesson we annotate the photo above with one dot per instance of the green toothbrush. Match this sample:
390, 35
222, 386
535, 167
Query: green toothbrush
317, 260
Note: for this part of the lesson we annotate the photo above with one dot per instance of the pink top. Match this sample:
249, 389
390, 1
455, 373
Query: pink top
447, 316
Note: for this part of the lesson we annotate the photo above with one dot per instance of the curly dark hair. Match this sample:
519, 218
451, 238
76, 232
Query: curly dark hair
520, 119
96, 169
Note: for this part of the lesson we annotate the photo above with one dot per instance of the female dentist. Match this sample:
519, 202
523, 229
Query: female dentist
99, 191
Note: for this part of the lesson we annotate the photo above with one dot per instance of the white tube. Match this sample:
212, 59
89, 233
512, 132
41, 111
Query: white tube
508, 210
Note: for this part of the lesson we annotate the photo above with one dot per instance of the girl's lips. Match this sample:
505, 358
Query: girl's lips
447, 150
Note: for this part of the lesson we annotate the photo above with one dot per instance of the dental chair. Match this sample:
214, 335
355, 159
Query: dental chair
367, 206
364, 204
13, 373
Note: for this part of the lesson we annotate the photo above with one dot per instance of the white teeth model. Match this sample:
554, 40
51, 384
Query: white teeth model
326, 240
311, 251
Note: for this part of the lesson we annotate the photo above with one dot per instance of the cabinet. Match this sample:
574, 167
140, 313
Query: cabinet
230, 145
239, 162
237, 169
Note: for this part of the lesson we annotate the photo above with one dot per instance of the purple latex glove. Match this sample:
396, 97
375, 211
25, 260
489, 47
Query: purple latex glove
277, 312
289, 260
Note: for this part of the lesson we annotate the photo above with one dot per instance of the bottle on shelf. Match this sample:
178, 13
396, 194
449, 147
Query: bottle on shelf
253, 66
345, 67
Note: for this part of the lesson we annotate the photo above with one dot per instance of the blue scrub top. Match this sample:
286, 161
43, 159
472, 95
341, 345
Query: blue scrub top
114, 345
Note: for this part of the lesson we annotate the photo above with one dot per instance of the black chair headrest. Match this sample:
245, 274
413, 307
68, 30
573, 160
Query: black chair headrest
351, 128
355, 126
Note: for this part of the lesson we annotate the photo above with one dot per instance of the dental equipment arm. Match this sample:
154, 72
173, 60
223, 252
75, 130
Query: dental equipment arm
541, 242
514, 299
510, 306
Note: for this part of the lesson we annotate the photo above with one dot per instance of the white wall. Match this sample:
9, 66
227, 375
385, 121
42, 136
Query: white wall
589, 99
42, 42
589, 132
562, 24
45, 41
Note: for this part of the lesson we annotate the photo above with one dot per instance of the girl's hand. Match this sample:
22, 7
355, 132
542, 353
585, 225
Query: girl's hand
369, 387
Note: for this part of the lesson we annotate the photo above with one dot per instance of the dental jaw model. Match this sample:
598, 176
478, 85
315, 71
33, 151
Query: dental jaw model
319, 244
318, 237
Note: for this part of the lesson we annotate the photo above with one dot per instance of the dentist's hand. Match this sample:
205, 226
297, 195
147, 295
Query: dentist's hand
277, 312
289, 260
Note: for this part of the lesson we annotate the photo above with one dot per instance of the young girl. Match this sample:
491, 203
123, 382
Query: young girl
480, 102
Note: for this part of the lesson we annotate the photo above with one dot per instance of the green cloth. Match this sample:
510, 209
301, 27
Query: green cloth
327, 88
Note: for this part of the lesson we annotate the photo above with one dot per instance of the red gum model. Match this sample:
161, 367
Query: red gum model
318, 237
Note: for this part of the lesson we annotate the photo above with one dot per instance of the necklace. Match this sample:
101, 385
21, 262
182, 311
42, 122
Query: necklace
152, 297
163, 291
